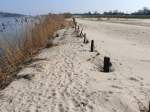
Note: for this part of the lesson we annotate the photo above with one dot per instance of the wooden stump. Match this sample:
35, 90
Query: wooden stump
92, 45
78, 31
74, 21
75, 26
57, 35
78, 28
84, 38
107, 64
81, 33
149, 107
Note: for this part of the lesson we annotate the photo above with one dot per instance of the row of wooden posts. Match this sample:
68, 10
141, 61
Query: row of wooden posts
107, 63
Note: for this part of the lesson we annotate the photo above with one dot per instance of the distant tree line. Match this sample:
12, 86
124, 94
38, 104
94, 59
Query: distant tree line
145, 12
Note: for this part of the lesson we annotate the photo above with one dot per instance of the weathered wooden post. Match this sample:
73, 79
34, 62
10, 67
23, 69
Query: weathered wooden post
149, 107
75, 26
74, 21
81, 33
107, 64
78, 28
57, 35
92, 45
78, 31
84, 38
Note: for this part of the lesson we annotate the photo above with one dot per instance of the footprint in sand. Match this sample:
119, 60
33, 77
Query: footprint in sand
117, 87
61, 108
133, 79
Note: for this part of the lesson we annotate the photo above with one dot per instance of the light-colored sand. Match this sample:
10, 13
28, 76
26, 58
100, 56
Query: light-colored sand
128, 45
68, 79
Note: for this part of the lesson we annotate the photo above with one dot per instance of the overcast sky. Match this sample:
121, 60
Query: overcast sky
58, 6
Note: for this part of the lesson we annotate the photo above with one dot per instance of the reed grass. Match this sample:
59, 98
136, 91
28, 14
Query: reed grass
33, 39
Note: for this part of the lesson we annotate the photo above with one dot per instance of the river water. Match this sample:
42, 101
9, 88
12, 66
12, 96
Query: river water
12, 29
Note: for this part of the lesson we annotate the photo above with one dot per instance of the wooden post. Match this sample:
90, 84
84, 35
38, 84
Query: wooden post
57, 35
75, 26
74, 21
78, 31
84, 38
78, 28
106, 64
81, 33
92, 45
149, 107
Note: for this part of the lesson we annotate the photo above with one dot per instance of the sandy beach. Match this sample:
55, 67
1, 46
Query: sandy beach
68, 77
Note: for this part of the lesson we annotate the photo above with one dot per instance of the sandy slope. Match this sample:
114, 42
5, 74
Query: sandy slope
67, 77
